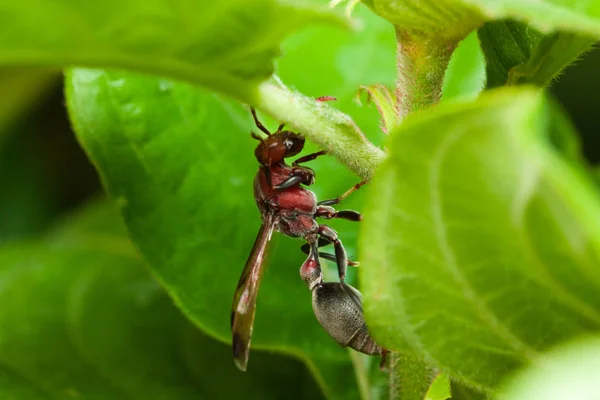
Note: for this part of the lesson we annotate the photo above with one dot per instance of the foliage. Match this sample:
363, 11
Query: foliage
480, 243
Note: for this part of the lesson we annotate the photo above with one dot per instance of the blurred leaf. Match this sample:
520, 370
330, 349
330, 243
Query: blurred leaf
227, 46
568, 372
480, 244
83, 319
465, 76
516, 53
179, 161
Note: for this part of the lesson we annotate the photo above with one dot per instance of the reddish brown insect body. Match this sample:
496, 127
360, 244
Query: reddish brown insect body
291, 209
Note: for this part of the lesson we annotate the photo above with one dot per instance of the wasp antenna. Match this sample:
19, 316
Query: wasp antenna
280, 127
255, 136
258, 123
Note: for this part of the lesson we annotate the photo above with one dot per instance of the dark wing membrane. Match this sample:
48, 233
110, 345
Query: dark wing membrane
354, 295
244, 300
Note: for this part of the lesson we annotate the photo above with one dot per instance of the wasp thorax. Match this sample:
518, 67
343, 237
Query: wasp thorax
338, 308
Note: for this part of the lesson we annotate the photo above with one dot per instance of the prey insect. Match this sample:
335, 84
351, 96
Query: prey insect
288, 207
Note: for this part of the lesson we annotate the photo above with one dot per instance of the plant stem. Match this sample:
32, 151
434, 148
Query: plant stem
329, 128
421, 64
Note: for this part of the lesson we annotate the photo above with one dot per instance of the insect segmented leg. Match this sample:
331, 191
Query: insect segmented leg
258, 123
341, 258
308, 157
328, 256
339, 199
330, 212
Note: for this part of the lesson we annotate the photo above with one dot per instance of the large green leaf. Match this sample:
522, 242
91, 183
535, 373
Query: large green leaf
481, 243
82, 318
226, 45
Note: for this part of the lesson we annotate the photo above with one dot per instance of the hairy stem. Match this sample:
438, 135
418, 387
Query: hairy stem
421, 64
330, 129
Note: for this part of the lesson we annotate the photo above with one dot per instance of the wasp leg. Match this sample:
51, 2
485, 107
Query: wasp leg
339, 199
303, 175
308, 157
341, 259
259, 125
328, 256
330, 212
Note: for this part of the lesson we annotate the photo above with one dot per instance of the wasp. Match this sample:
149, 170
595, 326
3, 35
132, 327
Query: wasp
287, 206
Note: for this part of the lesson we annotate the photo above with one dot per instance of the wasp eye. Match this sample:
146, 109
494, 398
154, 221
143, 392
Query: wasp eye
288, 143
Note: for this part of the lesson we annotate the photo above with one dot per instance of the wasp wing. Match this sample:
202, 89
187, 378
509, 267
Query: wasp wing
244, 300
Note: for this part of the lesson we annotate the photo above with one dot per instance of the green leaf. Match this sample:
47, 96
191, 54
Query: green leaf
82, 318
465, 76
479, 247
227, 45
517, 54
569, 372
179, 161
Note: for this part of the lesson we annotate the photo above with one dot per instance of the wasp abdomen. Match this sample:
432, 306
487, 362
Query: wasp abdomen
338, 308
